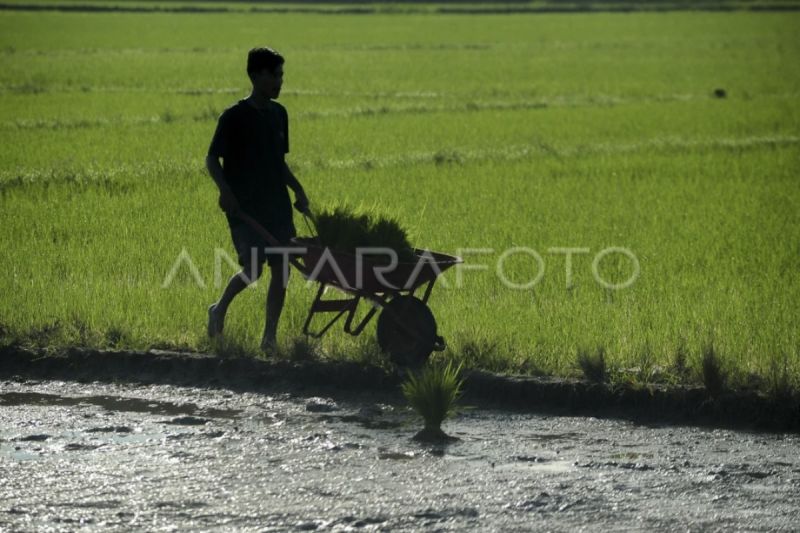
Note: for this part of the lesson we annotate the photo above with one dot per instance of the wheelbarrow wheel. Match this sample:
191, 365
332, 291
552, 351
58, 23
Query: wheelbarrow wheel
407, 331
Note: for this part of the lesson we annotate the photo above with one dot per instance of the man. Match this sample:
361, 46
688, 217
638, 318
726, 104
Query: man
252, 138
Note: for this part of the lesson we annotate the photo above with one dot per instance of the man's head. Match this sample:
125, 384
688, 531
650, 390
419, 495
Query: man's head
265, 69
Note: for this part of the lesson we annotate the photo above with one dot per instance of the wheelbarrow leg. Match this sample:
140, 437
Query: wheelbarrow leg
340, 307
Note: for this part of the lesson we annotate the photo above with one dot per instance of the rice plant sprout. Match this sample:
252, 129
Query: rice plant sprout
433, 393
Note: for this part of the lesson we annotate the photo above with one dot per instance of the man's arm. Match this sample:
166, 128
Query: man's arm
301, 200
227, 201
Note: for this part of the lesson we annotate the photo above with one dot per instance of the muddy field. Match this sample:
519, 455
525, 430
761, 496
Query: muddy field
119, 457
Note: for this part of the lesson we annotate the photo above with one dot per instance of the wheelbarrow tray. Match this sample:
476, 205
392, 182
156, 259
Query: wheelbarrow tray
342, 270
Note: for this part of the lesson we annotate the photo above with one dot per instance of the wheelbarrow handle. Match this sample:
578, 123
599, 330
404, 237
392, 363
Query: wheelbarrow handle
309, 219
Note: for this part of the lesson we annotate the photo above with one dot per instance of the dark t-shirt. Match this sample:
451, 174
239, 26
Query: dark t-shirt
252, 144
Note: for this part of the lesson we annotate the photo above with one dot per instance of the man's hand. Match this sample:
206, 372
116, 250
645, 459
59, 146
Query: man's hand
300, 198
228, 202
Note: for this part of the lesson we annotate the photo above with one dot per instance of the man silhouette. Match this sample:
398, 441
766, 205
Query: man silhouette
252, 138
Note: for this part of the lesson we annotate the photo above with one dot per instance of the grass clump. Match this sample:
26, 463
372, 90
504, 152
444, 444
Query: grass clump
593, 365
780, 384
483, 353
300, 349
433, 394
345, 230
229, 348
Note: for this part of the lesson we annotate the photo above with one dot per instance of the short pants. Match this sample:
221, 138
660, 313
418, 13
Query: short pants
248, 242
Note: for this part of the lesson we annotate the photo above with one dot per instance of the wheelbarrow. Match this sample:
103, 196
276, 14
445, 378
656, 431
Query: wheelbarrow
406, 329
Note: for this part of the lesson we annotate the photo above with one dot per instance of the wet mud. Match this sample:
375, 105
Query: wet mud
105, 457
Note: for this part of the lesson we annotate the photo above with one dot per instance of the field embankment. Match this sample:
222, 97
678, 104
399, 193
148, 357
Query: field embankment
567, 397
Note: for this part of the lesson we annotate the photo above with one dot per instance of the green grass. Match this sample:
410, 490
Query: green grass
496, 131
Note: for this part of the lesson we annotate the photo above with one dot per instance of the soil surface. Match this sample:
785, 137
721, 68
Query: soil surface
101, 457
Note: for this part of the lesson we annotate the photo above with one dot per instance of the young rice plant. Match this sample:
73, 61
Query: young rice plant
433, 394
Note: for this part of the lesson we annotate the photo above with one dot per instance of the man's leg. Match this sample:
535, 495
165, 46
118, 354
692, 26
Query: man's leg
276, 295
238, 283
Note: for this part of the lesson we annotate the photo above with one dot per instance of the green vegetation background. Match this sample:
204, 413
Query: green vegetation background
480, 131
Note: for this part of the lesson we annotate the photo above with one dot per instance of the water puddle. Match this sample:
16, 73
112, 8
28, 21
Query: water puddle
164, 457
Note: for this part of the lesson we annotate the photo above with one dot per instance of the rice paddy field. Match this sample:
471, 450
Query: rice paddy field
663, 148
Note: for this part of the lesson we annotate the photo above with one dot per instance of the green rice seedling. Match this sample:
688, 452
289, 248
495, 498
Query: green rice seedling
229, 348
345, 230
680, 367
593, 365
116, 337
369, 353
339, 228
780, 385
385, 231
714, 377
484, 354
649, 371
44, 335
365, 351
433, 393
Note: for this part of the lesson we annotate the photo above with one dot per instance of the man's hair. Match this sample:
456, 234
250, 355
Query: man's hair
259, 59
